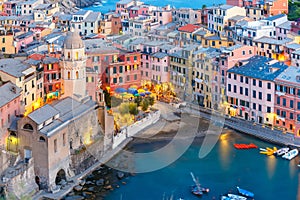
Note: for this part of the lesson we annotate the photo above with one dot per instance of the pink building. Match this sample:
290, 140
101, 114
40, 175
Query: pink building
241, 3
10, 7
287, 100
251, 89
230, 57
163, 16
123, 5
92, 83
156, 67
23, 39
10, 108
138, 10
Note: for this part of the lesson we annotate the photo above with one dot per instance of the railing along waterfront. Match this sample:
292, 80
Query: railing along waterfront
254, 129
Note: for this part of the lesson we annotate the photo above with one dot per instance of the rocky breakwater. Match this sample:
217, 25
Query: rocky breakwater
97, 184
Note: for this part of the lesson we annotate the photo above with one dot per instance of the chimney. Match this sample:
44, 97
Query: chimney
13, 89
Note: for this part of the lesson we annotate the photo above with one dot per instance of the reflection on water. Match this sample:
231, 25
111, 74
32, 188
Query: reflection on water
224, 151
271, 165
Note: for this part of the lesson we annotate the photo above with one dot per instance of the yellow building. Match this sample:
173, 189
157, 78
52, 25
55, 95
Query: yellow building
216, 41
23, 76
7, 42
205, 66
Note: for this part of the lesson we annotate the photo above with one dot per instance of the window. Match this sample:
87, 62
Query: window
3, 40
55, 145
260, 95
69, 75
268, 109
234, 76
120, 80
278, 101
269, 86
115, 80
3, 49
298, 105
259, 107
121, 69
291, 115
291, 104
284, 101
229, 76
241, 90
246, 80
260, 83
135, 77
64, 139
234, 88
77, 75
241, 79
128, 77
246, 91
283, 114
254, 106
229, 87
254, 94
115, 70
254, 82
269, 98
32, 83
32, 97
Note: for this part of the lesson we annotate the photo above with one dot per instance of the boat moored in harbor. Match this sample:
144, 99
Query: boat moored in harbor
245, 193
291, 154
197, 189
236, 197
282, 151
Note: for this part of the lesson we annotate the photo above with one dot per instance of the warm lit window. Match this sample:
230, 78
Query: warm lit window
77, 75
69, 75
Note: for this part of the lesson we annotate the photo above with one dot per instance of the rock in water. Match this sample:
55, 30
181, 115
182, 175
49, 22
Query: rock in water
120, 175
77, 197
77, 188
100, 182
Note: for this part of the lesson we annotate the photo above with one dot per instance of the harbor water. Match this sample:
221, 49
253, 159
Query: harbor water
109, 5
224, 168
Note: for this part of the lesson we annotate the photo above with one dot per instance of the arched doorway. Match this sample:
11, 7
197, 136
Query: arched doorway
61, 175
12, 142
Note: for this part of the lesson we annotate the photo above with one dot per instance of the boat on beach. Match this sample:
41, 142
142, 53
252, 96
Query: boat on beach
245, 193
281, 151
291, 154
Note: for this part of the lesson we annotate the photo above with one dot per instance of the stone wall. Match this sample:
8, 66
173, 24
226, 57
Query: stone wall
133, 129
4, 160
23, 185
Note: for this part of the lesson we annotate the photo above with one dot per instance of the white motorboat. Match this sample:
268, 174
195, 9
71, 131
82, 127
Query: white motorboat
291, 154
282, 151
236, 197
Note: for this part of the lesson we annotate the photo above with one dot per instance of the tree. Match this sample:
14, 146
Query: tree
115, 101
138, 100
107, 98
151, 101
145, 104
124, 108
133, 109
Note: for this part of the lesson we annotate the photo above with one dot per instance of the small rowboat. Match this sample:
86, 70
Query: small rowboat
245, 193
245, 146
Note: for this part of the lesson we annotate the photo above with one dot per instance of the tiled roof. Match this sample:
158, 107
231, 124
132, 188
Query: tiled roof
260, 67
270, 40
272, 18
294, 46
7, 94
43, 114
159, 55
13, 67
289, 75
188, 28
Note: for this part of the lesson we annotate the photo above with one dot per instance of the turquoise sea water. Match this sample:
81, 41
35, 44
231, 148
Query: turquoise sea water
111, 4
224, 168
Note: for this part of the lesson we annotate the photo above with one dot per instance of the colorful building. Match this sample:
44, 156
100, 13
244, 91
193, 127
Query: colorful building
287, 100
251, 89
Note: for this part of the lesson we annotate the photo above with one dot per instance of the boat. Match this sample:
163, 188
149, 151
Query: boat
268, 151
291, 154
245, 146
197, 189
236, 197
245, 193
282, 151
223, 197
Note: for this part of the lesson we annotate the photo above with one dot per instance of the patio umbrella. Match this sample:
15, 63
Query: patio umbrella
141, 90
132, 91
120, 90
142, 94
147, 92
136, 94
128, 96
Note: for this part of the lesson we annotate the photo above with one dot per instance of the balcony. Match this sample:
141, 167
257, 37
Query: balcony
279, 93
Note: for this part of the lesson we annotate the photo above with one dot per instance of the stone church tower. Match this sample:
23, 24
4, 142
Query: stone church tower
74, 66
